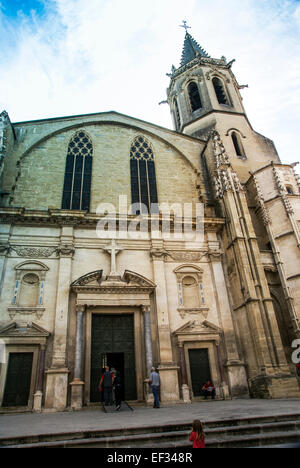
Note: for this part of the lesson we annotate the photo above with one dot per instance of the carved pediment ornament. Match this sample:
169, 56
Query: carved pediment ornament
88, 278
131, 282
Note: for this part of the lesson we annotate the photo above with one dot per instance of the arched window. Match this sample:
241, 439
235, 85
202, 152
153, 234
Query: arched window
289, 190
178, 120
194, 96
236, 140
78, 173
143, 179
220, 91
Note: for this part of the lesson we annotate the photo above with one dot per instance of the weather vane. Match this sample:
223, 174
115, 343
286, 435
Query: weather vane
184, 25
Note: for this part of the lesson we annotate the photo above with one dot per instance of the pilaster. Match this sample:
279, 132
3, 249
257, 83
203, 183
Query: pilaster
236, 372
57, 375
168, 369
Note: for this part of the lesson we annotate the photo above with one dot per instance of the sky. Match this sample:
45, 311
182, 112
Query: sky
72, 57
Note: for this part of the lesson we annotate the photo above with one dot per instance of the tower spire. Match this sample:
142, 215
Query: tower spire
191, 48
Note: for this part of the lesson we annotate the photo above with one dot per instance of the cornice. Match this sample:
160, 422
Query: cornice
10, 215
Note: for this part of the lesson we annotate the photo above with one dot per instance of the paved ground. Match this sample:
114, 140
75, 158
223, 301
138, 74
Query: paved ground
95, 419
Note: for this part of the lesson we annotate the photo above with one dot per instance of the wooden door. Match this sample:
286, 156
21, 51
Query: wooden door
18, 379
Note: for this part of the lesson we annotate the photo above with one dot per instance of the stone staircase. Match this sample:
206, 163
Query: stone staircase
259, 431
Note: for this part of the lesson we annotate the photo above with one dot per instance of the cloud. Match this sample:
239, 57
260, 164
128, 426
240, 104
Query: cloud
84, 56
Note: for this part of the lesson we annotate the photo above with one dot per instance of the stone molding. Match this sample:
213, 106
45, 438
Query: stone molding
183, 311
37, 311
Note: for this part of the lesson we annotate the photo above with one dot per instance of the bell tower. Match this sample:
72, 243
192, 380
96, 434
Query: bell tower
204, 96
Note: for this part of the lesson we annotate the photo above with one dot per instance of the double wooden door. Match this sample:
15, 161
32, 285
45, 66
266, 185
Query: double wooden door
113, 344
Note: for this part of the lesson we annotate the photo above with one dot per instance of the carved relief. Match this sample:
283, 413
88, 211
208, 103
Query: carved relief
261, 203
185, 256
34, 252
65, 250
282, 190
177, 255
226, 179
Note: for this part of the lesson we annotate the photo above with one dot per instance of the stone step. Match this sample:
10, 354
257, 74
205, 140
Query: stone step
222, 433
224, 423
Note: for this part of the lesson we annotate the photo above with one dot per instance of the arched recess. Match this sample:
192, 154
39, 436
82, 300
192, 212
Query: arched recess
283, 323
29, 289
191, 297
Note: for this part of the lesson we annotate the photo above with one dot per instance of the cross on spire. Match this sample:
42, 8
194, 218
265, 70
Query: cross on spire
185, 26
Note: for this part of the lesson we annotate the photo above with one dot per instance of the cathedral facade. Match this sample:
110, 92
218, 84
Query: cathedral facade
132, 245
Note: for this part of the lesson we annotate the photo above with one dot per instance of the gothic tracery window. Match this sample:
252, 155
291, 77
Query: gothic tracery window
143, 179
77, 183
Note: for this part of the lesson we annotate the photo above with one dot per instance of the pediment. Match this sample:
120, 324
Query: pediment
92, 279
135, 279
196, 327
31, 329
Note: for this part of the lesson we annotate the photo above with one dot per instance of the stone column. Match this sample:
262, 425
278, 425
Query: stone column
4, 251
148, 338
149, 353
167, 368
37, 398
77, 384
57, 375
184, 387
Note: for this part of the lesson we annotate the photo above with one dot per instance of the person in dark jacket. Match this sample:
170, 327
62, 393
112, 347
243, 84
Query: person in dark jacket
106, 385
118, 390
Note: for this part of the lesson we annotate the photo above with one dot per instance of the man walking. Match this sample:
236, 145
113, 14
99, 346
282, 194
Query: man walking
107, 385
154, 380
